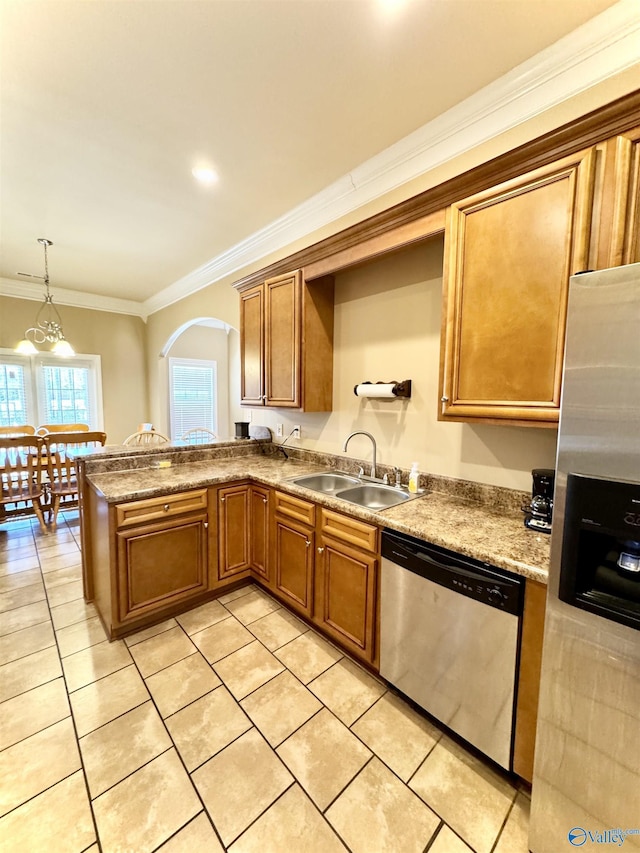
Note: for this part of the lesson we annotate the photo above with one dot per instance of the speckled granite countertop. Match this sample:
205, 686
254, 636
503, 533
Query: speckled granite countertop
496, 536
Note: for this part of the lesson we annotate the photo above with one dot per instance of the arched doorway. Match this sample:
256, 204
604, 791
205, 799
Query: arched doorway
212, 348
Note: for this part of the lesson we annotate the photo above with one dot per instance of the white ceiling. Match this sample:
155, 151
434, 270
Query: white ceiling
108, 104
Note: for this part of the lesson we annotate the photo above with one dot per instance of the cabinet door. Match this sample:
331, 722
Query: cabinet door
619, 233
347, 589
259, 531
160, 565
292, 561
282, 341
509, 254
233, 540
252, 346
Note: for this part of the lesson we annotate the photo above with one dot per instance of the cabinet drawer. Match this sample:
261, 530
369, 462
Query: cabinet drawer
349, 530
295, 508
138, 512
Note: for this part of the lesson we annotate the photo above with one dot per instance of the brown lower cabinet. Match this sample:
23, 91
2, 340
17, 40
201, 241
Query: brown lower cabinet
146, 560
259, 531
233, 507
292, 552
346, 583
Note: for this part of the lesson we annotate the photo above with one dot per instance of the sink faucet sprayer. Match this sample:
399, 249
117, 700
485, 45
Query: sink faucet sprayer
373, 442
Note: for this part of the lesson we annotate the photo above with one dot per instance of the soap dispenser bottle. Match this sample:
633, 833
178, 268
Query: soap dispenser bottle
413, 478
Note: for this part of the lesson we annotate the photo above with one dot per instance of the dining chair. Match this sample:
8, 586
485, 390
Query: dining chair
45, 429
61, 450
198, 435
145, 437
21, 429
21, 476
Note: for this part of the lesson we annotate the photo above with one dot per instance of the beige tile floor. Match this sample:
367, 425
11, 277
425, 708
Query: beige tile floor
232, 727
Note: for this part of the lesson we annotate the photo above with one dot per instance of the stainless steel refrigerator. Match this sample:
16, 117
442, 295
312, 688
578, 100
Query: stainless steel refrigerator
586, 785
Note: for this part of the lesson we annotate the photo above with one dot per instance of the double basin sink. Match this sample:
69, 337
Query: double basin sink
373, 496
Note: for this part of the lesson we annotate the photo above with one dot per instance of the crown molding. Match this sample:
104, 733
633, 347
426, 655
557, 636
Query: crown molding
604, 46
72, 298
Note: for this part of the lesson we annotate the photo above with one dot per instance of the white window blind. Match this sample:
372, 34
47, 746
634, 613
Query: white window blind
193, 395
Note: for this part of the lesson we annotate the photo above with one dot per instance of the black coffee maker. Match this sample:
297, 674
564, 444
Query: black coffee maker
539, 512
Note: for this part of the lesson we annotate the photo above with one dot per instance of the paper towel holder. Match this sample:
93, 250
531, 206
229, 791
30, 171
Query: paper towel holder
398, 389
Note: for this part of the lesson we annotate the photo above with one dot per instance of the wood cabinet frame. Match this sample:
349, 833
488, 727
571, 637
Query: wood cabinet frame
616, 118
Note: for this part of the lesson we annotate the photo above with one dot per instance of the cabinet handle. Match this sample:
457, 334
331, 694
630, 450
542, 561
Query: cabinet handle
320, 550
166, 507
444, 399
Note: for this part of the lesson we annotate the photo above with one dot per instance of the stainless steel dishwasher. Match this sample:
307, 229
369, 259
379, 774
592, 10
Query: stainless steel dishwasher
449, 639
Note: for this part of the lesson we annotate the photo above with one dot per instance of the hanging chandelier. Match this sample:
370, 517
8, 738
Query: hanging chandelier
48, 325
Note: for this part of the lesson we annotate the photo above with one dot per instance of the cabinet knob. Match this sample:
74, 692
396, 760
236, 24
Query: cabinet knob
206, 524
221, 500
320, 550
308, 543
444, 399
166, 507
265, 500
264, 396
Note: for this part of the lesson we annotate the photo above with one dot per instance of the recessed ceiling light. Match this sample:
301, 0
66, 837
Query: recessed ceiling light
391, 6
205, 175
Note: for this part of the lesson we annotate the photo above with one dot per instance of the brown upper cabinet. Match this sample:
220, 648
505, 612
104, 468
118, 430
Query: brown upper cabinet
618, 239
509, 253
286, 343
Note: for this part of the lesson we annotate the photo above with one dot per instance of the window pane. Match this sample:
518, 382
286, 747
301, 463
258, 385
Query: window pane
193, 396
66, 395
13, 396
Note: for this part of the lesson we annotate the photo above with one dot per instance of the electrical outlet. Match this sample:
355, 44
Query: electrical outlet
279, 428
296, 431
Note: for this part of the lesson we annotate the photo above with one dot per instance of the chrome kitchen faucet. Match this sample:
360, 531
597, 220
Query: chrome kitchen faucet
373, 442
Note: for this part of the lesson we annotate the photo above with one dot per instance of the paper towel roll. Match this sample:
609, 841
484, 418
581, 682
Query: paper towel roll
376, 389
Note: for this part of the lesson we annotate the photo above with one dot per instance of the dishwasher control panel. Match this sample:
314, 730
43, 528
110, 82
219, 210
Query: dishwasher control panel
461, 574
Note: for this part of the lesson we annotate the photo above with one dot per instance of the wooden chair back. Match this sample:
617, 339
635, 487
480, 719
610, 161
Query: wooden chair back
61, 464
45, 429
146, 437
22, 429
21, 468
199, 435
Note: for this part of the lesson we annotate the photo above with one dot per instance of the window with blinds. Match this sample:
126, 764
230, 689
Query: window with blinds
43, 389
13, 394
193, 395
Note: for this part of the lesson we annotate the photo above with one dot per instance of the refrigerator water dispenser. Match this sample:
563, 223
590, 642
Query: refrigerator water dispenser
600, 568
